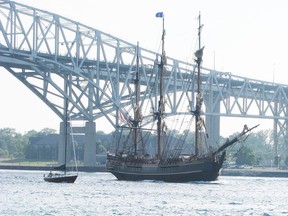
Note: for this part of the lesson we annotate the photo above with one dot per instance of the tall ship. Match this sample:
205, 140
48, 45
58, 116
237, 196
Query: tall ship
174, 159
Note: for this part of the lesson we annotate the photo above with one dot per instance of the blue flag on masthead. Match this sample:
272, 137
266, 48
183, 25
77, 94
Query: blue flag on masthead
160, 14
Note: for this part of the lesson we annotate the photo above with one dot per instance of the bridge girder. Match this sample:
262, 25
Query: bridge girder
45, 51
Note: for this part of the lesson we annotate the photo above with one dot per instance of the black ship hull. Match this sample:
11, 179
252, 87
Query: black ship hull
206, 169
61, 178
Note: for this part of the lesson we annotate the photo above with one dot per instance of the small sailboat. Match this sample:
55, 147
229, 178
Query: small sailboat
64, 176
131, 160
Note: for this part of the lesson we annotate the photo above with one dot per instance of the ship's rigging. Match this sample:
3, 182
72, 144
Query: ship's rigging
152, 154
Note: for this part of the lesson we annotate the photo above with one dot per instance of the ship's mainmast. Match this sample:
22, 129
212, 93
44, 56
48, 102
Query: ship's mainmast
137, 110
161, 99
199, 97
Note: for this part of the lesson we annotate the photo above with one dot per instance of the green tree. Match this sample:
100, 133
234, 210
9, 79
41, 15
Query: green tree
245, 156
100, 149
260, 143
46, 131
286, 161
277, 160
262, 147
11, 143
4, 152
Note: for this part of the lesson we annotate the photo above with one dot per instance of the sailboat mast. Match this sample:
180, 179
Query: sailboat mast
161, 100
65, 124
198, 54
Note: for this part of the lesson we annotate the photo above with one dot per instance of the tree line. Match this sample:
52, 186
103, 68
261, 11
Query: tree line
14, 144
257, 149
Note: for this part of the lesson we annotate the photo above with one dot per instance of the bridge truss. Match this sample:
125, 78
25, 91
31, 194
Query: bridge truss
47, 52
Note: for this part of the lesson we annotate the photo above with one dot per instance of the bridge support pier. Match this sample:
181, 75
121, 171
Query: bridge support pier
212, 121
61, 146
213, 129
89, 143
286, 144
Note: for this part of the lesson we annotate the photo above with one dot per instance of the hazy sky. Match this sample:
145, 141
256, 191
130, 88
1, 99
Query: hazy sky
247, 38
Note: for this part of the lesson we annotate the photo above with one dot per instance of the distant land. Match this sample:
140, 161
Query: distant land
253, 172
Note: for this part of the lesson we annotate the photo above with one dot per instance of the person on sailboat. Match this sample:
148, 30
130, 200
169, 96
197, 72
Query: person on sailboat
50, 174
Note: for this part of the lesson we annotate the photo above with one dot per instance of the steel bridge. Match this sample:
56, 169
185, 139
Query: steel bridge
60, 59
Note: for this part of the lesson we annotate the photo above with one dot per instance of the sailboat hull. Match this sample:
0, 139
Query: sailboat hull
198, 170
61, 178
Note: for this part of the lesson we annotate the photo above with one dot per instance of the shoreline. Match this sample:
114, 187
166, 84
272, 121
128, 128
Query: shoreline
254, 172
47, 168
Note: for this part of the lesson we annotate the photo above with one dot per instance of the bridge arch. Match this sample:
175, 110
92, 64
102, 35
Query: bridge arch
41, 49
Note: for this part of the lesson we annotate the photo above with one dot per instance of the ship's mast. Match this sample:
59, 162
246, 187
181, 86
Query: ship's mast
137, 80
137, 99
161, 99
199, 97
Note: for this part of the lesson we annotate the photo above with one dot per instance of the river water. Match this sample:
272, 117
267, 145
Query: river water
26, 193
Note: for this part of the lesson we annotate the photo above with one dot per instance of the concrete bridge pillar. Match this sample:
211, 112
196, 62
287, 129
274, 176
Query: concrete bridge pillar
89, 132
285, 159
212, 121
61, 145
90, 144
213, 129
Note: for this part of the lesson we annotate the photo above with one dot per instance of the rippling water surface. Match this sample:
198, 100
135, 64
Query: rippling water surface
26, 193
